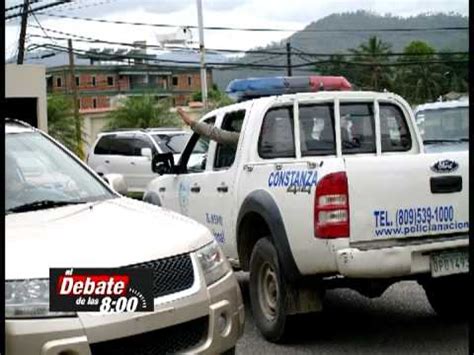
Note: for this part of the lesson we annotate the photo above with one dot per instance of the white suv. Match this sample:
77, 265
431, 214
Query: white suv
58, 213
129, 152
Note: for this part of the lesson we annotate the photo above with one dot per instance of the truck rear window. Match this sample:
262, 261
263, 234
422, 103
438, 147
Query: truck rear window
277, 136
357, 128
317, 129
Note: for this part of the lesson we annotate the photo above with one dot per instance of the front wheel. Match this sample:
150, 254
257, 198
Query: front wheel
449, 296
268, 291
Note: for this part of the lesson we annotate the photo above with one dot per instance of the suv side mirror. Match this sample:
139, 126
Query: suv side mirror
117, 182
163, 164
146, 152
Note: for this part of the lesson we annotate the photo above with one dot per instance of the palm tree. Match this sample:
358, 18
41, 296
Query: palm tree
142, 112
375, 75
61, 124
422, 81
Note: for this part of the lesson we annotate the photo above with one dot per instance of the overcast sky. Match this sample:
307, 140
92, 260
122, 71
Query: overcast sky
285, 14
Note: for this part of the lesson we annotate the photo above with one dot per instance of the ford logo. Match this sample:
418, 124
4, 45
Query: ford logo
444, 166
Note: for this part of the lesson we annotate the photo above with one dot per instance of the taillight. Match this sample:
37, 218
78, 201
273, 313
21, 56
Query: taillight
331, 207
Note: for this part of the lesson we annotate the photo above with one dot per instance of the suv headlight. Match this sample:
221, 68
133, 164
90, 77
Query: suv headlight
213, 262
29, 299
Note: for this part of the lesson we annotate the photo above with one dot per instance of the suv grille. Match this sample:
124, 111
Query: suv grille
162, 341
170, 275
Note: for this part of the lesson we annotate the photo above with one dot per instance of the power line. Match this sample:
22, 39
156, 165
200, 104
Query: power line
122, 58
224, 28
85, 39
21, 5
57, 3
41, 27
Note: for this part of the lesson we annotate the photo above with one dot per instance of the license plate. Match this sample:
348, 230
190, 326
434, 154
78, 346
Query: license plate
448, 263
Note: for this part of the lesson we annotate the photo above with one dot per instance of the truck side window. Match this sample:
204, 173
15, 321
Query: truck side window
317, 129
277, 139
225, 154
393, 129
357, 128
194, 156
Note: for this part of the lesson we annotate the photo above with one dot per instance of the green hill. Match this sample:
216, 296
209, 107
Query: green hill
340, 42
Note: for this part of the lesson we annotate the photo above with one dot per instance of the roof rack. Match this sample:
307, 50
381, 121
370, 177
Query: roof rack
251, 88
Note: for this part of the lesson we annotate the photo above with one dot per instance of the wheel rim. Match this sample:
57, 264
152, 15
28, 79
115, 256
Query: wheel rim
268, 291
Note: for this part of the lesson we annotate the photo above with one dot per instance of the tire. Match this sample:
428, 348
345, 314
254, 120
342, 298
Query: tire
267, 300
449, 296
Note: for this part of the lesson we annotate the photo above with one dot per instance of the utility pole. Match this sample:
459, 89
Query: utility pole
202, 50
288, 58
77, 119
21, 41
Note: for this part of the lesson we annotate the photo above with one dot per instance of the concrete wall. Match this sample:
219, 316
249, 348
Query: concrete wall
28, 80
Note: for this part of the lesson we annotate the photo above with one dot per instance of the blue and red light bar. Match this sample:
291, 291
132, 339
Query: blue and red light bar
244, 89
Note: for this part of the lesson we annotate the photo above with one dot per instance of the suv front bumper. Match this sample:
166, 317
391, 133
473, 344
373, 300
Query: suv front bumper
221, 303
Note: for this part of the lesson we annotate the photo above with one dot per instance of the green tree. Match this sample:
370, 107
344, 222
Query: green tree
337, 65
455, 72
419, 80
61, 120
374, 76
143, 112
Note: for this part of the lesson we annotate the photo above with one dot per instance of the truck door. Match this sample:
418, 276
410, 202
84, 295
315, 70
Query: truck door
216, 207
395, 191
183, 192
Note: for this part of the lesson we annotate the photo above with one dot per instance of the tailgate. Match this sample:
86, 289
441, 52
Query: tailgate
402, 196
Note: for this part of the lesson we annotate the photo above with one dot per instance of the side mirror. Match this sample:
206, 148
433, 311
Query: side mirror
117, 182
163, 164
146, 152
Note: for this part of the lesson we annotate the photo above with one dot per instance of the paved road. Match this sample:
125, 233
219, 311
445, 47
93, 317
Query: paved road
399, 322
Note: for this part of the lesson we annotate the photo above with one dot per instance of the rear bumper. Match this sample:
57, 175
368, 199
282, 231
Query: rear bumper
391, 262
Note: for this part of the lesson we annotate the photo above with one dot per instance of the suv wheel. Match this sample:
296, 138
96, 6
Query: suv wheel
449, 296
267, 291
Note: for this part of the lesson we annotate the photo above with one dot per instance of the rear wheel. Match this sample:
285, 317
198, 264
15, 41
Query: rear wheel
449, 296
268, 291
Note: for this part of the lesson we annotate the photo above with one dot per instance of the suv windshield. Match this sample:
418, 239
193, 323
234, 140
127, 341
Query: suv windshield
171, 143
39, 174
444, 124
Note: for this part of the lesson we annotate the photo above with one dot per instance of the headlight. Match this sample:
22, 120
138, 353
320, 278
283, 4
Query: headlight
29, 299
213, 262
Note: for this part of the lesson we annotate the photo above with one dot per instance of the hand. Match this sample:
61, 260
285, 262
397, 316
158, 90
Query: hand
184, 116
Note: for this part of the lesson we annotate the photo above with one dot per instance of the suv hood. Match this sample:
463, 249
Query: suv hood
111, 233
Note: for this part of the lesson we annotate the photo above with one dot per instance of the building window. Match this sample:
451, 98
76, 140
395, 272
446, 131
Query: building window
59, 82
110, 81
93, 81
78, 81
78, 104
94, 102
175, 81
189, 81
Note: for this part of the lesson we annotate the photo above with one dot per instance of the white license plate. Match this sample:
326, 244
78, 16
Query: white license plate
448, 263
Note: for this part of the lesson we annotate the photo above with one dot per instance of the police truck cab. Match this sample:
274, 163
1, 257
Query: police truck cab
327, 187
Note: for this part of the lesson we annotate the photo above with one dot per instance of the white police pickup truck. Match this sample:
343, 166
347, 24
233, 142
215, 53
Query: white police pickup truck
327, 189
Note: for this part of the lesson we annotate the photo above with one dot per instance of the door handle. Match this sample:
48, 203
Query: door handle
195, 189
107, 161
133, 163
222, 188
445, 184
